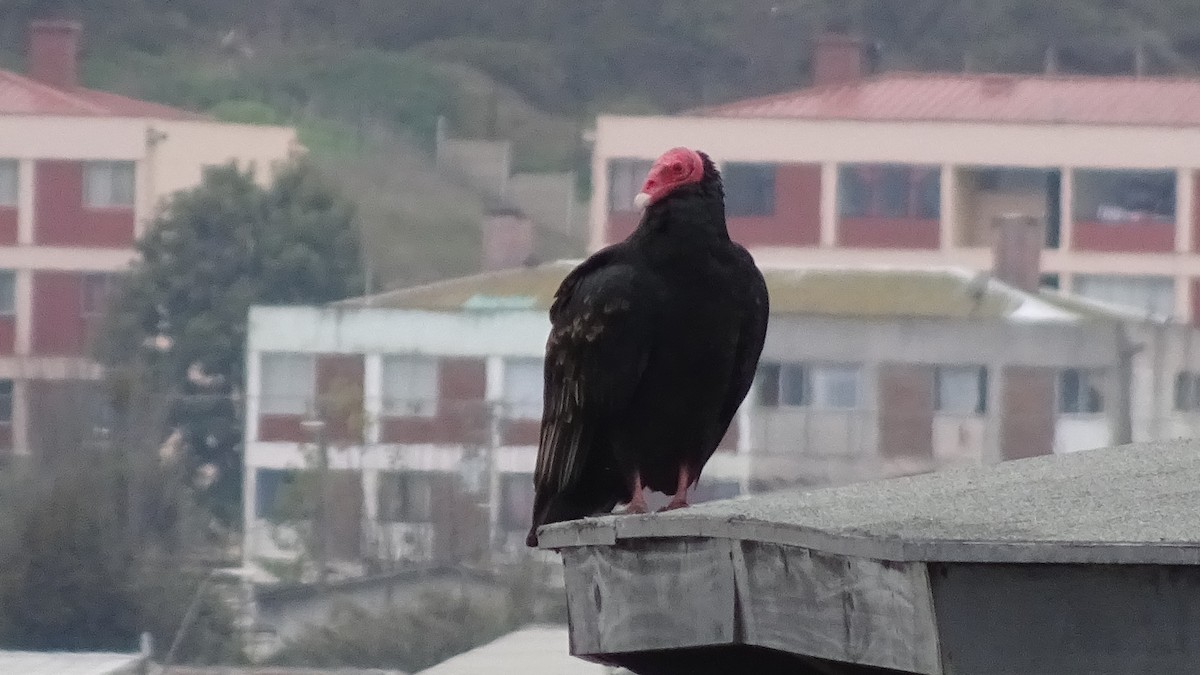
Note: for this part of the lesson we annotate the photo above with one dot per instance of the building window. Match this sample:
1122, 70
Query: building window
516, 490
836, 387
410, 386
96, 292
889, 191
8, 293
783, 384
960, 390
288, 384
1079, 392
1124, 197
749, 189
406, 497
108, 184
9, 182
523, 382
625, 180
1153, 295
6, 401
280, 495
828, 386
1187, 391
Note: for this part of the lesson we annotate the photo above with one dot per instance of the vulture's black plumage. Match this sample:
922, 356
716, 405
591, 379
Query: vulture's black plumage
653, 345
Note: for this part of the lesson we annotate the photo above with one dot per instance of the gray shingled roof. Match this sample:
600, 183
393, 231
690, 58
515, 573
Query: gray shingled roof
69, 663
1129, 504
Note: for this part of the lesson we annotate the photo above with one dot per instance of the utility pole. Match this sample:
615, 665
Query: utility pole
495, 414
1122, 423
317, 427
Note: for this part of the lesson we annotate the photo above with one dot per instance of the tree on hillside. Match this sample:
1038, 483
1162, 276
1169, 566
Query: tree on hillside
181, 316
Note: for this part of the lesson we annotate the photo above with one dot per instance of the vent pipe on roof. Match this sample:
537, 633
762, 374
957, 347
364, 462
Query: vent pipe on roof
508, 239
838, 59
53, 57
1017, 251
1050, 62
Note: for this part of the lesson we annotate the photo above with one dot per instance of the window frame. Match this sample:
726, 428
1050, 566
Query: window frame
1187, 391
10, 199
308, 400
287, 478
423, 399
979, 384
6, 401
811, 382
1084, 385
1104, 188
757, 203
125, 169
404, 485
918, 186
8, 305
1148, 286
821, 377
523, 409
94, 302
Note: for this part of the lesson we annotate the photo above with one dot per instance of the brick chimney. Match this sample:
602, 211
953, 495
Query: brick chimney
1017, 251
507, 239
838, 59
54, 53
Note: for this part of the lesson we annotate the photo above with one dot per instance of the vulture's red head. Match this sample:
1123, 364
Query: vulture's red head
676, 167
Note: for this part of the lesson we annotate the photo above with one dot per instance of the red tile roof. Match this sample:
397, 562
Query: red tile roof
969, 97
20, 95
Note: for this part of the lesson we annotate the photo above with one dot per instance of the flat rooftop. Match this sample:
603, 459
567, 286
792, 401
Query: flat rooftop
1071, 563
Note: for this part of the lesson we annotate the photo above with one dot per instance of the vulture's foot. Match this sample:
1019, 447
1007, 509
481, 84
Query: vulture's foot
637, 502
633, 509
680, 500
675, 503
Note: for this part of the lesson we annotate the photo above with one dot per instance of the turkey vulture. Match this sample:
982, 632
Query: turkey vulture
653, 344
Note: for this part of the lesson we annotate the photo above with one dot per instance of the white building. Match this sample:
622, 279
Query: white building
870, 168
82, 173
427, 400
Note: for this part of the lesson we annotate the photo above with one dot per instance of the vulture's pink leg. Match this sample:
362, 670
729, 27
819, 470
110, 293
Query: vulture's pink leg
637, 502
680, 499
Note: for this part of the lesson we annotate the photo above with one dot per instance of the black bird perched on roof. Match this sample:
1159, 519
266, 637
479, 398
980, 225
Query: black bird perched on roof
653, 345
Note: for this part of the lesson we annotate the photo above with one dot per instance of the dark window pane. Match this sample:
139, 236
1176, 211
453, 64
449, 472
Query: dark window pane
749, 189
793, 385
6, 394
1068, 391
768, 385
279, 495
854, 192
894, 190
1129, 197
928, 191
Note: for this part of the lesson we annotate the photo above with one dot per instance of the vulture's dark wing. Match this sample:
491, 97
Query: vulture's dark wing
752, 334
597, 350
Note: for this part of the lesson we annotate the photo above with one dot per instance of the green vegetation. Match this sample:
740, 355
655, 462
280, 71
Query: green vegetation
349, 74
103, 542
215, 251
433, 627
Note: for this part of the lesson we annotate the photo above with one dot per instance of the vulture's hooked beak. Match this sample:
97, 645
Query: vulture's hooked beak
641, 201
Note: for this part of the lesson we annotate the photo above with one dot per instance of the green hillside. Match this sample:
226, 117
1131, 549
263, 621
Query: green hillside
366, 80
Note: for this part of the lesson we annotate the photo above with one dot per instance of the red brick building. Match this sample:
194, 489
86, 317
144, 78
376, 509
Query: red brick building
81, 173
912, 168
